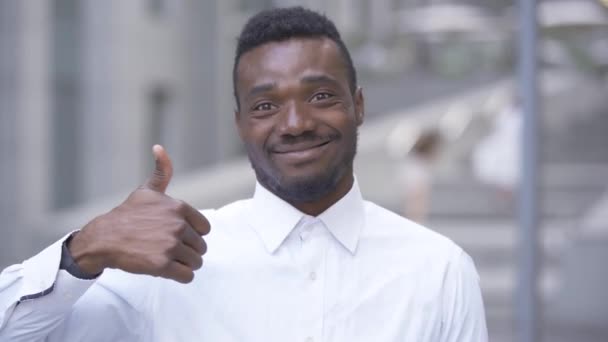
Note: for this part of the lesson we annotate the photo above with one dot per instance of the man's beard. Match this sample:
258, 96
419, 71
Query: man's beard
304, 189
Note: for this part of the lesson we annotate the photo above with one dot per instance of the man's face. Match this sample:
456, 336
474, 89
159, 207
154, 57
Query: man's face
297, 116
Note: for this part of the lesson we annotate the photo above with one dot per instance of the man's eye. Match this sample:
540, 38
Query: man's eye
321, 96
263, 106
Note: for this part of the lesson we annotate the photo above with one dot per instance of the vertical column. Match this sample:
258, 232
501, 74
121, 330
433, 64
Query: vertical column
200, 145
98, 78
65, 165
33, 148
9, 20
526, 313
33, 114
228, 29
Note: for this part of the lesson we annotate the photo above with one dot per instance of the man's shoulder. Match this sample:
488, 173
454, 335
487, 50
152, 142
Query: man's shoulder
383, 224
229, 223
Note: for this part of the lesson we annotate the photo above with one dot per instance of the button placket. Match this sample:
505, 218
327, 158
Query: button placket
312, 249
314, 244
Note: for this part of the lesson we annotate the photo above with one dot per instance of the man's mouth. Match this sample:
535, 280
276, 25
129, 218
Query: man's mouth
301, 153
300, 147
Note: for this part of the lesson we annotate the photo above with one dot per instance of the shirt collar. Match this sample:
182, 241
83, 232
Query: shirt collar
273, 218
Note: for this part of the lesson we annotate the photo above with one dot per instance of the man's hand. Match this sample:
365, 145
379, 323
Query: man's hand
149, 233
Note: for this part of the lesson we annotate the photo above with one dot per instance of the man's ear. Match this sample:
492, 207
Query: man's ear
359, 106
237, 122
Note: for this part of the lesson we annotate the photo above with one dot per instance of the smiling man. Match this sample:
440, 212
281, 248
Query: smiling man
305, 259
298, 113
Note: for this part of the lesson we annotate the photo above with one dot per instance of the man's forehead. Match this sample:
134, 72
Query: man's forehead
295, 56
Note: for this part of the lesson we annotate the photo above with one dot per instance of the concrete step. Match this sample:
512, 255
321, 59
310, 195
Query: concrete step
581, 141
501, 237
498, 285
459, 201
493, 247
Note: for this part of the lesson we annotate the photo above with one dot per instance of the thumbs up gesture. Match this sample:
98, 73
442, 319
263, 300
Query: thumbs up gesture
149, 233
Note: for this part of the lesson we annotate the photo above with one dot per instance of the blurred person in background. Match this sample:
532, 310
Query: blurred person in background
496, 159
416, 173
306, 258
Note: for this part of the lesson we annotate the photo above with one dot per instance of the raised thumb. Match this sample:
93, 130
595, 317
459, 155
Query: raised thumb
163, 170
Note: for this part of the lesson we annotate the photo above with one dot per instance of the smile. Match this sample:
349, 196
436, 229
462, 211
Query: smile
302, 152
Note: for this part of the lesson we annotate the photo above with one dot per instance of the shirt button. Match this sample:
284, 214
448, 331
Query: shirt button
312, 276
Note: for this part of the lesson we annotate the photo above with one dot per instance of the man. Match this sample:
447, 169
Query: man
305, 259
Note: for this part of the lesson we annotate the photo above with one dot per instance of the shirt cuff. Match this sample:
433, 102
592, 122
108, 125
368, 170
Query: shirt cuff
41, 274
69, 264
63, 294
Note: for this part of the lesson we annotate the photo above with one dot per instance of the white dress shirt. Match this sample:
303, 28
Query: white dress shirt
357, 272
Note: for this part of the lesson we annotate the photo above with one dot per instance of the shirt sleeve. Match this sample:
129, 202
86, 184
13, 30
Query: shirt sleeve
41, 302
463, 310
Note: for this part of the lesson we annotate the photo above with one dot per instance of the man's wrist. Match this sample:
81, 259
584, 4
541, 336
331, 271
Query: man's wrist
77, 264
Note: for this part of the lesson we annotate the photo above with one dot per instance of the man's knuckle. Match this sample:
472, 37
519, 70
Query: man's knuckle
198, 263
184, 226
175, 229
158, 266
179, 206
170, 245
187, 277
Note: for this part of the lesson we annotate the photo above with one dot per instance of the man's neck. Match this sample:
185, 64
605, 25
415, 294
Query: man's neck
317, 207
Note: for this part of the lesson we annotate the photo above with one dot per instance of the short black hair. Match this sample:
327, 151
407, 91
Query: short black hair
280, 24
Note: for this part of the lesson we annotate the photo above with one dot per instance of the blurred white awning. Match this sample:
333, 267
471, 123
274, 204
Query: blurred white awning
571, 13
442, 18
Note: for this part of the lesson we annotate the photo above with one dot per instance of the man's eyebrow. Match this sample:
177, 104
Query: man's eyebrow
261, 88
320, 79
264, 87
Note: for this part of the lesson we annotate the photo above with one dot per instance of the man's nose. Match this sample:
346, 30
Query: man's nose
295, 120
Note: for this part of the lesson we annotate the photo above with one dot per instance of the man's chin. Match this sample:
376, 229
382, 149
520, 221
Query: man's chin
305, 188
